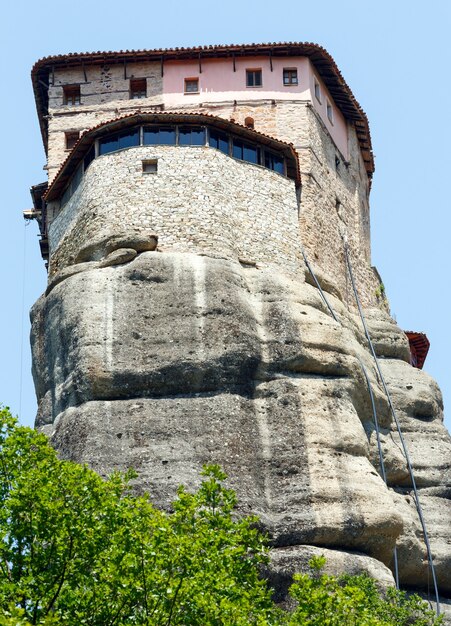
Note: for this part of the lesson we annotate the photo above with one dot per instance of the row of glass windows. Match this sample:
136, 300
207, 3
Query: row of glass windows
177, 136
192, 136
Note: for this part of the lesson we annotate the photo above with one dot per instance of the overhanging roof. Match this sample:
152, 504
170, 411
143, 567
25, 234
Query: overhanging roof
419, 345
86, 140
320, 58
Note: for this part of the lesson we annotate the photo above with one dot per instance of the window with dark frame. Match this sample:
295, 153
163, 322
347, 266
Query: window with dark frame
191, 136
71, 138
71, 95
317, 91
150, 166
330, 113
159, 136
138, 88
290, 76
254, 78
181, 135
191, 85
218, 140
118, 141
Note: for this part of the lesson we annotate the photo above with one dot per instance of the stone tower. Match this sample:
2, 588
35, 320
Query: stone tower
205, 218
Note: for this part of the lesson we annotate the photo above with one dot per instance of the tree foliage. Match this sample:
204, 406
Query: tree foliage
79, 550
324, 600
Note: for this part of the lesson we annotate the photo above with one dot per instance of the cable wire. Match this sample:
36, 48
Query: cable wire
398, 427
373, 404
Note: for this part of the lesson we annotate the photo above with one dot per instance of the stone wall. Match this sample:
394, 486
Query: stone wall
200, 200
334, 197
104, 96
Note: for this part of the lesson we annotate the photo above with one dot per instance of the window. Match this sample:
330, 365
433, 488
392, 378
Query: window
150, 167
245, 151
138, 88
317, 91
191, 85
330, 113
274, 162
119, 141
159, 135
191, 136
290, 76
254, 78
89, 157
219, 140
71, 95
71, 139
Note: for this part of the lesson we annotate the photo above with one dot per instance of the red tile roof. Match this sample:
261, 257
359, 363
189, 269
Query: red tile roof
85, 141
320, 58
419, 347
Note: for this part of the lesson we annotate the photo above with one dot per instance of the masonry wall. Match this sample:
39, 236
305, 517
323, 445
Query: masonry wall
104, 96
199, 201
335, 186
334, 207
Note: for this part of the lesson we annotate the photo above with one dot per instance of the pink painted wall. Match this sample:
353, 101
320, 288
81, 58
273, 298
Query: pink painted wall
338, 127
218, 77
218, 82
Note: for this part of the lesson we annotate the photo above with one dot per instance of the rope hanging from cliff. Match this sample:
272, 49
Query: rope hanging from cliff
373, 404
22, 315
398, 426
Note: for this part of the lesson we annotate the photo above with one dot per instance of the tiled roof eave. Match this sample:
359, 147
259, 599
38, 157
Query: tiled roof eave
321, 59
85, 141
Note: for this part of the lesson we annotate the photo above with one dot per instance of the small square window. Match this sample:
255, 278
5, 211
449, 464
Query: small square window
330, 113
317, 91
150, 167
138, 88
191, 85
71, 95
290, 76
71, 139
254, 78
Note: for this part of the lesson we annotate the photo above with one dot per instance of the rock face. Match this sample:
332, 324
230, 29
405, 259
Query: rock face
181, 326
165, 361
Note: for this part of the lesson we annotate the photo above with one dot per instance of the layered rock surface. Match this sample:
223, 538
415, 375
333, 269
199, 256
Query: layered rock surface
166, 361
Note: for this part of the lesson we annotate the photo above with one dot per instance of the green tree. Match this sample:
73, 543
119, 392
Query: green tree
75, 549
324, 600
79, 550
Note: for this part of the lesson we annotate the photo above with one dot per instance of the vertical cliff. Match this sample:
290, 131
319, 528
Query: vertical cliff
200, 309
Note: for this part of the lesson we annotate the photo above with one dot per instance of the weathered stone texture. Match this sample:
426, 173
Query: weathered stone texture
180, 326
104, 96
200, 200
172, 360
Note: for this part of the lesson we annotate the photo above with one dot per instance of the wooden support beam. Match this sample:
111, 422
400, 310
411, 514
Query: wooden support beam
200, 63
161, 65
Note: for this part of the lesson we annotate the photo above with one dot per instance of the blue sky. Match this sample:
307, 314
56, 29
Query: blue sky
394, 55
